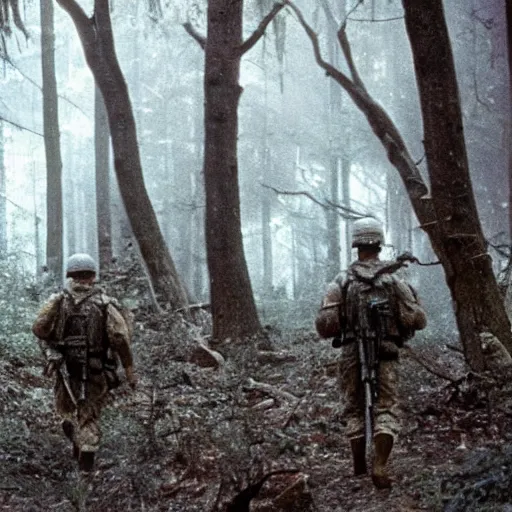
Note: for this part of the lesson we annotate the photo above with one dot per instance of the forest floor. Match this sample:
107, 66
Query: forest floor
199, 430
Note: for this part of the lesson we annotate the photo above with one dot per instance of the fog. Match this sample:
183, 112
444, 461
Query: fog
296, 126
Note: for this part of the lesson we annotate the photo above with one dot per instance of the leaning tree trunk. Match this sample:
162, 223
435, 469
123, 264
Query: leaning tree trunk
51, 144
465, 291
101, 149
98, 44
468, 268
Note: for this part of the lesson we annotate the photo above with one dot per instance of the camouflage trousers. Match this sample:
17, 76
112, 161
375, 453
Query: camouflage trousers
85, 415
386, 417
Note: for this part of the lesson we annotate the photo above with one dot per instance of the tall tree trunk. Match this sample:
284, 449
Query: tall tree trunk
51, 143
3, 196
467, 264
266, 205
198, 244
508, 4
334, 115
98, 44
233, 307
101, 148
345, 196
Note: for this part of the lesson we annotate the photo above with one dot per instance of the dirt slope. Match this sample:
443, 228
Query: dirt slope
191, 438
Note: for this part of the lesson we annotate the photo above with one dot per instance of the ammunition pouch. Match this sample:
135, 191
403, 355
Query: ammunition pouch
388, 351
109, 369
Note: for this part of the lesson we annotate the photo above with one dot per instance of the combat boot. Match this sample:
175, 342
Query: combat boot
69, 431
86, 461
358, 455
383, 444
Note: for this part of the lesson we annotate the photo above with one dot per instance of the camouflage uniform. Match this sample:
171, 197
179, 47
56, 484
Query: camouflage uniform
83, 415
345, 311
386, 409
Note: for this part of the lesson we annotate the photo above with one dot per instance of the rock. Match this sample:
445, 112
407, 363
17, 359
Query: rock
205, 357
270, 357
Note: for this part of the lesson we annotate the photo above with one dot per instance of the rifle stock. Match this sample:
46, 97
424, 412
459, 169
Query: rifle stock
368, 392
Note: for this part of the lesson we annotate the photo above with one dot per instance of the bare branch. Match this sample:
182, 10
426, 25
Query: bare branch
20, 127
201, 40
382, 20
258, 33
347, 52
348, 213
344, 43
379, 121
35, 84
431, 366
357, 4
77, 14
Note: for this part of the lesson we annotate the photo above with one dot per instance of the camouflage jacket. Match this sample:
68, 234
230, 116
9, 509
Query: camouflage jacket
118, 331
342, 301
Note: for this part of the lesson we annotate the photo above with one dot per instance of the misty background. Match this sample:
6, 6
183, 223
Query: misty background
298, 132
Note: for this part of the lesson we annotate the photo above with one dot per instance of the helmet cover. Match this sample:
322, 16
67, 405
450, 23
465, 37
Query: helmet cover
80, 262
367, 231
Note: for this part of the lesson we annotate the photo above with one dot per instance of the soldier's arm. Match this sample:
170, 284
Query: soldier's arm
46, 319
327, 321
119, 338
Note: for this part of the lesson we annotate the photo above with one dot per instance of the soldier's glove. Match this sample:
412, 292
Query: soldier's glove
389, 351
54, 360
131, 377
406, 256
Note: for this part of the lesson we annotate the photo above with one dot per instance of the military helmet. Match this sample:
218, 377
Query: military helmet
80, 262
367, 231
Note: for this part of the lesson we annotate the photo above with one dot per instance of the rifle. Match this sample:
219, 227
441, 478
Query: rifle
63, 374
58, 366
369, 343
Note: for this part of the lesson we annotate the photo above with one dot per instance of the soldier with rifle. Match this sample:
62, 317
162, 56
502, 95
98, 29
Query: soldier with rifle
83, 332
370, 313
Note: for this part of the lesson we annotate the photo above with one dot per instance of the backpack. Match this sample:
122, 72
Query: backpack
381, 302
82, 337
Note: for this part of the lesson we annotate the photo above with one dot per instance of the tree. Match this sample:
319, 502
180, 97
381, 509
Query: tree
101, 146
508, 4
233, 307
51, 143
98, 44
10, 8
458, 240
464, 254
3, 197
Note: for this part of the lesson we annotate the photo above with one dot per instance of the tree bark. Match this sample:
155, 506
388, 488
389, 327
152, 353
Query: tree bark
98, 44
3, 197
508, 4
101, 148
54, 224
233, 307
468, 266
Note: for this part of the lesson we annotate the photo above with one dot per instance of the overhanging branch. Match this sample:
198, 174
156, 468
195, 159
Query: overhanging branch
201, 40
20, 127
379, 121
258, 33
344, 211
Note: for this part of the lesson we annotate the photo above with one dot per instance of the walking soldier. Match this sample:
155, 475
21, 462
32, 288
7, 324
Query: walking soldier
370, 312
83, 333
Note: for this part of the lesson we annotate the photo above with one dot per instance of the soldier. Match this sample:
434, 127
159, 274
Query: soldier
345, 313
83, 333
